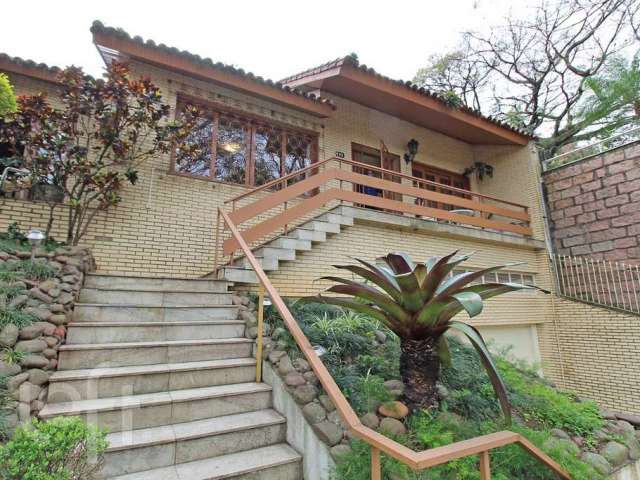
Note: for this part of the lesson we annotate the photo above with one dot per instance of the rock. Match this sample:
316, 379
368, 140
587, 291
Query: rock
27, 392
393, 410
559, 433
58, 319
9, 335
275, 355
65, 298
568, 446
615, 453
392, 426
47, 328
304, 394
380, 336
31, 346
326, 402
40, 313
37, 405
608, 415
24, 412
9, 369
277, 333
56, 308
328, 432
37, 376
598, 462
14, 382
622, 426
395, 387
443, 392
294, 379
285, 366
450, 418
370, 420
53, 364
314, 413
54, 292
339, 450
248, 317
18, 301
40, 295
31, 331
50, 353
34, 361
301, 365
60, 332
47, 285
311, 378
627, 417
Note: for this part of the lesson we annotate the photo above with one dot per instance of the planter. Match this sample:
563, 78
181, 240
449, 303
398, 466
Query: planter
47, 193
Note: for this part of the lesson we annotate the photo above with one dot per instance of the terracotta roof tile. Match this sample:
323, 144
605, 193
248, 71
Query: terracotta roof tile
99, 27
20, 65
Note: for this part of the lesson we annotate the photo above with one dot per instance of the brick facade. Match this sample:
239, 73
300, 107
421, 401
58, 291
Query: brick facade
594, 206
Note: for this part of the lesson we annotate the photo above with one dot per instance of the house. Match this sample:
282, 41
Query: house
384, 166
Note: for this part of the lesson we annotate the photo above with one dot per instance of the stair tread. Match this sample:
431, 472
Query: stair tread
140, 277
164, 290
224, 466
150, 399
142, 305
107, 346
221, 321
189, 430
109, 372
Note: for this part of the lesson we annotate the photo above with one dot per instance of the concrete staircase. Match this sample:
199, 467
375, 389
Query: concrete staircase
164, 365
285, 247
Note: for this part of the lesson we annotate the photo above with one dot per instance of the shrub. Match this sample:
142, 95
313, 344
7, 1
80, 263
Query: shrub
64, 448
7, 98
5, 403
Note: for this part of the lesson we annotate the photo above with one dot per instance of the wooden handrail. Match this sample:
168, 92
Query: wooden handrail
383, 171
378, 442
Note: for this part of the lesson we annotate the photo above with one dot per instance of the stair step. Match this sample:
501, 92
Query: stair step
164, 408
92, 383
268, 264
237, 274
291, 243
308, 234
275, 462
98, 312
151, 284
323, 226
275, 252
163, 298
336, 218
74, 357
113, 332
156, 447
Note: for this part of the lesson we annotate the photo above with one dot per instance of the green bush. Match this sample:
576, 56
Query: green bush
6, 402
65, 448
7, 98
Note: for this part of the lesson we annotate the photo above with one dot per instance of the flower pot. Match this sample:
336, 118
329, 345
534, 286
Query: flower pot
47, 193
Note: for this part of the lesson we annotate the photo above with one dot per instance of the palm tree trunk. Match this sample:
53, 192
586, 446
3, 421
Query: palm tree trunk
420, 370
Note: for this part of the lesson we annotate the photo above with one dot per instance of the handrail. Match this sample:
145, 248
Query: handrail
378, 442
383, 171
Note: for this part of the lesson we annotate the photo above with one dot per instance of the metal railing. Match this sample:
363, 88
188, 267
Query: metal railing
615, 141
600, 282
480, 446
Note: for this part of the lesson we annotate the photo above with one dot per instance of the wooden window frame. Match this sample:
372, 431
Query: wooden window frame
252, 122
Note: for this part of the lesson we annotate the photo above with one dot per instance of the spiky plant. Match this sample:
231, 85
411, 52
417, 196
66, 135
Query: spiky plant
417, 301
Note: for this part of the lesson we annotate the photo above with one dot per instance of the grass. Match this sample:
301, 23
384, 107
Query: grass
32, 269
16, 317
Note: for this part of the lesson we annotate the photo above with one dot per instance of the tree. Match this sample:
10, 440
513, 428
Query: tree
533, 72
417, 301
91, 147
7, 98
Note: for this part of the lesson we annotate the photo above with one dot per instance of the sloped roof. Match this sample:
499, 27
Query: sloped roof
115, 40
326, 77
28, 68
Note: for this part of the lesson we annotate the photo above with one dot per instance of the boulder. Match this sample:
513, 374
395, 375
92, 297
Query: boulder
18, 301
328, 432
326, 402
47, 285
38, 376
14, 382
395, 387
304, 394
615, 453
285, 366
311, 378
314, 413
294, 379
9, 335
27, 392
334, 417
31, 346
31, 331
559, 433
301, 365
50, 353
58, 319
40, 313
598, 462
40, 295
65, 298
393, 410
370, 420
392, 426
34, 361
56, 308
9, 369
24, 412
339, 450
627, 417
553, 443
275, 355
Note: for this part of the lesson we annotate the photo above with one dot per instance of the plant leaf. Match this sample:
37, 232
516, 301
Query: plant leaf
412, 299
375, 277
470, 301
370, 294
458, 281
399, 262
346, 303
443, 351
485, 357
438, 273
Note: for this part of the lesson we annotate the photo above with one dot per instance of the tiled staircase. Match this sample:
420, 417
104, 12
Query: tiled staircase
164, 365
285, 247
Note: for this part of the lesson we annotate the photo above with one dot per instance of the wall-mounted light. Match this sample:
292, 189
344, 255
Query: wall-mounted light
481, 169
412, 148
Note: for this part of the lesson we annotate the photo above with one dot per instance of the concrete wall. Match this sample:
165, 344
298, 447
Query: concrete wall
594, 206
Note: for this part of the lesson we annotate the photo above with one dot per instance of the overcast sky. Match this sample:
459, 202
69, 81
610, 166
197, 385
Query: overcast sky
270, 38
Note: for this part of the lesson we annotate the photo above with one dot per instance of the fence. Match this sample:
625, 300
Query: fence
601, 282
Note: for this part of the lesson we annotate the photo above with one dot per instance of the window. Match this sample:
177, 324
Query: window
235, 148
442, 177
501, 277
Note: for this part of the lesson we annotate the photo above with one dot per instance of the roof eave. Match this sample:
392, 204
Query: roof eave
29, 69
167, 60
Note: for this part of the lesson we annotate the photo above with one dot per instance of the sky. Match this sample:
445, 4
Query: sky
271, 38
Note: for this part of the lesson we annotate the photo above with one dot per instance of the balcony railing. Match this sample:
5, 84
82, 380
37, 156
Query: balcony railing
277, 206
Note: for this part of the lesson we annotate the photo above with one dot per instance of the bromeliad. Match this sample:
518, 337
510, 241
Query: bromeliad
417, 301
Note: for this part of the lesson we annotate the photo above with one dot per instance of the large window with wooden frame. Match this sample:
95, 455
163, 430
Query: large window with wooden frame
233, 147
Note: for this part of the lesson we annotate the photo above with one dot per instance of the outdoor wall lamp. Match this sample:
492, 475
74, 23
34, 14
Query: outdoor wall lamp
481, 170
412, 146
35, 238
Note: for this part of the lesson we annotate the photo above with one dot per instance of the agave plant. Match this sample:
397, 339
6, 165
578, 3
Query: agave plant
417, 301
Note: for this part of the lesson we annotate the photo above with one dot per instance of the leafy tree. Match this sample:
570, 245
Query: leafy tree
534, 71
417, 301
7, 98
94, 144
